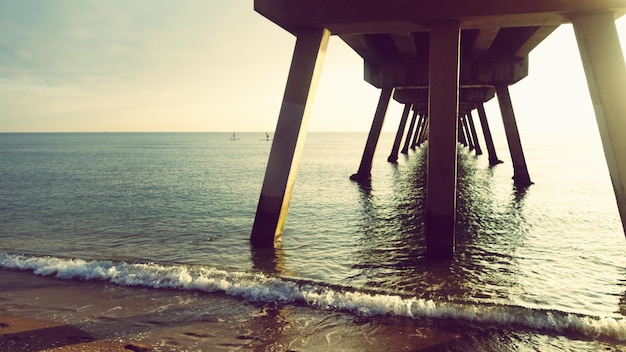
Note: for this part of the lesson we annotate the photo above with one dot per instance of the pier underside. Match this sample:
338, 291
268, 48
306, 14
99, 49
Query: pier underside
443, 60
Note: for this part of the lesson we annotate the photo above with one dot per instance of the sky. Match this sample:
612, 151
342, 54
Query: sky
216, 65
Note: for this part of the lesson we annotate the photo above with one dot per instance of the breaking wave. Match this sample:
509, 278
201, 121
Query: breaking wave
258, 287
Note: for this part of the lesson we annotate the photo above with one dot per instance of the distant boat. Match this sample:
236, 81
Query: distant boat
234, 137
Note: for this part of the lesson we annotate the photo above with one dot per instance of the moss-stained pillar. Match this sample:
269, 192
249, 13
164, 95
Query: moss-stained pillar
484, 124
472, 127
442, 139
521, 177
409, 133
393, 157
284, 159
365, 168
602, 58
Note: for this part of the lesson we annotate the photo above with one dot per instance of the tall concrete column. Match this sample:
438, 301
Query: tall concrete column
409, 133
393, 157
284, 159
365, 168
602, 58
418, 131
472, 127
484, 124
520, 170
423, 136
468, 135
461, 133
442, 142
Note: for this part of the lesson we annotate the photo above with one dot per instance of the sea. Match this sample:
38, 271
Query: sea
535, 269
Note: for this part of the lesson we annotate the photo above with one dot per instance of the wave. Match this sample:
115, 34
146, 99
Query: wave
258, 287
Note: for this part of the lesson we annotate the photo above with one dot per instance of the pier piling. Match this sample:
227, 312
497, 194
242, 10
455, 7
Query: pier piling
365, 167
442, 146
521, 177
603, 61
284, 159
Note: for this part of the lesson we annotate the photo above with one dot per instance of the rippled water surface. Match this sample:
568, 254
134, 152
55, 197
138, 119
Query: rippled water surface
189, 199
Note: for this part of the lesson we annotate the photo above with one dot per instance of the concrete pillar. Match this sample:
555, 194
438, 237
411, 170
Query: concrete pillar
468, 134
443, 107
602, 58
365, 168
418, 131
424, 131
409, 133
393, 157
461, 132
484, 124
520, 170
472, 127
284, 159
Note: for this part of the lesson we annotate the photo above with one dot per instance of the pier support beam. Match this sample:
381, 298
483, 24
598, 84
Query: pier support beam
284, 159
365, 168
393, 157
521, 177
602, 58
472, 127
409, 134
421, 123
442, 146
484, 124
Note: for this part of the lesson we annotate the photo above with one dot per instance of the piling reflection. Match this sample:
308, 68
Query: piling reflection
391, 252
270, 260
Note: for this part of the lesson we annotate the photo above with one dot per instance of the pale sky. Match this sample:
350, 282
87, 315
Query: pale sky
215, 65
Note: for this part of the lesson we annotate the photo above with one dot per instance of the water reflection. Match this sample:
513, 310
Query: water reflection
270, 260
391, 251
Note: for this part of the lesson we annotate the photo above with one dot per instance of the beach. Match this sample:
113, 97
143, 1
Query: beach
48, 314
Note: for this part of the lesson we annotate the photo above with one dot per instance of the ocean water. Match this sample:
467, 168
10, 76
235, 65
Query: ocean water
175, 210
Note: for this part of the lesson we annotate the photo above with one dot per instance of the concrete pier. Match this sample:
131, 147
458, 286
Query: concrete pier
441, 55
284, 159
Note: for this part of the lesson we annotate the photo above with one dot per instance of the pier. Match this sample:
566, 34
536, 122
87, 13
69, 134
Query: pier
443, 60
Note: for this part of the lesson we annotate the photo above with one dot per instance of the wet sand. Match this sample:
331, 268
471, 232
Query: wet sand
48, 314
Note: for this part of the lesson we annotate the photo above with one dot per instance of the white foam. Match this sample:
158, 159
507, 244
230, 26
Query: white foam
260, 288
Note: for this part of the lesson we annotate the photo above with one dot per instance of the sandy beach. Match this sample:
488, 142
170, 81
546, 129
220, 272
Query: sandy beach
48, 314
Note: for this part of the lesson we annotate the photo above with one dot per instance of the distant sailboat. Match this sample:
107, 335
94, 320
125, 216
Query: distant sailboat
234, 137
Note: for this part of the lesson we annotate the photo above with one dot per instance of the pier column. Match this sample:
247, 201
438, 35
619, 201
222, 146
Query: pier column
520, 170
461, 132
472, 127
443, 107
284, 158
365, 167
409, 133
418, 130
424, 131
602, 58
393, 157
484, 124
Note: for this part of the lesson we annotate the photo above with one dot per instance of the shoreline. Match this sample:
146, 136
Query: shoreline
49, 314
